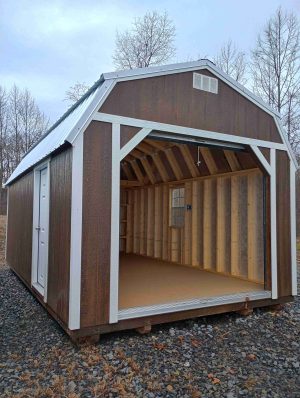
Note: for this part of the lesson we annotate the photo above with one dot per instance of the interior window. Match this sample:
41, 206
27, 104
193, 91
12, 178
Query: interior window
177, 207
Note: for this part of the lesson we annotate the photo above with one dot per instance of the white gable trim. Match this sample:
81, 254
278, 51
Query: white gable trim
186, 131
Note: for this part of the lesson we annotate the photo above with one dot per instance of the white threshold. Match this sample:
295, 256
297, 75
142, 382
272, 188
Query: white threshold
39, 288
139, 312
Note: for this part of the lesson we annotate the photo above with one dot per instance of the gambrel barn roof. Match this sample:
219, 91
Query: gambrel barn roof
77, 118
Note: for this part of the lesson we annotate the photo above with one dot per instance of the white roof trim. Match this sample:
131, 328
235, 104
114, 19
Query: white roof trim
75, 123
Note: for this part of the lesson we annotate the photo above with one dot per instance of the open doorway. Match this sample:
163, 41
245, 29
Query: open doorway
191, 223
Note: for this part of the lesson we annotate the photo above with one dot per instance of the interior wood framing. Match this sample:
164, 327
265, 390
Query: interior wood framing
223, 230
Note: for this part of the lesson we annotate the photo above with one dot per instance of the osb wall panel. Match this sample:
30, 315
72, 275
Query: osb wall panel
223, 231
19, 228
172, 99
283, 223
95, 272
59, 233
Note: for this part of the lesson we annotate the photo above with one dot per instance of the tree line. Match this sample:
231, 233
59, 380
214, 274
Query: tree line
271, 69
21, 125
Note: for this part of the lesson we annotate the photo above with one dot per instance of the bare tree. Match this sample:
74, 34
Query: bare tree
149, 42
3, 132
275, 69
232, 61
21, 125
74, 93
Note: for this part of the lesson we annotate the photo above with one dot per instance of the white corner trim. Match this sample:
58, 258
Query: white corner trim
262, 159
115, 223
127, 148
204, 302
87, 117
6, 227
35, 221
293, 229
286, 141
273, 194
188, 131
76, 233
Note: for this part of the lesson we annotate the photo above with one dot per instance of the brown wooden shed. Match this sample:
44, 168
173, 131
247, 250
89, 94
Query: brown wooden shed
165, 193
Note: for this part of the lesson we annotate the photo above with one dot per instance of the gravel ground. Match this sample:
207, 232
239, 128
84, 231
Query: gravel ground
218, 356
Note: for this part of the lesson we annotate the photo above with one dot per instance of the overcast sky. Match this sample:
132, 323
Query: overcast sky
48, 45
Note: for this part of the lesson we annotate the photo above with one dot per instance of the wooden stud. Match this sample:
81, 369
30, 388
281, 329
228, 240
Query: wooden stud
235, 219
129, 232
187, 255
195, 223
221, 226
209, 160
157, 222
150, 225
174, 164
207, 224
232, 160
136, 205
165, 216
142, 222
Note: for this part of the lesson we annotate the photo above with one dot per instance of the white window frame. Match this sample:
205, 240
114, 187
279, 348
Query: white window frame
35, 220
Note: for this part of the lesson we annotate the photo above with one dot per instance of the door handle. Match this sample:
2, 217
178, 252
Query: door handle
37, 228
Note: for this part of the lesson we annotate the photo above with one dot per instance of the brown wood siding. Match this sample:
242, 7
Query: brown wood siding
19, 228
95, 273
126, 134
59, 234
283, 223
172, 99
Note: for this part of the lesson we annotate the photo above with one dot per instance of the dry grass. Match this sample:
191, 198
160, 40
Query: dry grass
2, 240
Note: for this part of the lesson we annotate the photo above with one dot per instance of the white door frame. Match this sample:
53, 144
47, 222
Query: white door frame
146, 128
35, 232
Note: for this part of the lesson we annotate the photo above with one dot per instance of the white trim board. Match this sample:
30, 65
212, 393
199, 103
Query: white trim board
262, 159
35, 220
115, 223
188, 131
273, 224
134, 142
76, 234
7, 205
293, 229
204, 302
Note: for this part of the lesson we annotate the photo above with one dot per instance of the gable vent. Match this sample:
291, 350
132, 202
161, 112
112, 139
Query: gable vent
205, 83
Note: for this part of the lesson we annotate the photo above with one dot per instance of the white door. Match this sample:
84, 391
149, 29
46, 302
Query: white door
42, 227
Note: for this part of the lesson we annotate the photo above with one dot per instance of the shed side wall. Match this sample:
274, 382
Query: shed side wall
172, 99
96, 224
19, 228
59, 233
283, 224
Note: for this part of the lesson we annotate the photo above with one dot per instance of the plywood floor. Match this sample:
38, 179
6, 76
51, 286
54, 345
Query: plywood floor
145, 281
